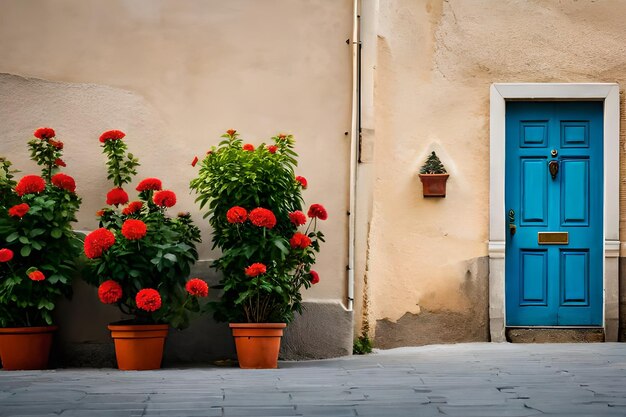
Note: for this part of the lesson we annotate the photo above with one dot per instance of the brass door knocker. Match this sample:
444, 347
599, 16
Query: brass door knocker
553, 166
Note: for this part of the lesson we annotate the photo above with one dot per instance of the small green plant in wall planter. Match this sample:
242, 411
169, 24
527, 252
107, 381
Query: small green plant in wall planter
433, 176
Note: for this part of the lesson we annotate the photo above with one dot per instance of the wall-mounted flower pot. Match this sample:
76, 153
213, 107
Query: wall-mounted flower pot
434, 185
257, 344
23, 348
139, 347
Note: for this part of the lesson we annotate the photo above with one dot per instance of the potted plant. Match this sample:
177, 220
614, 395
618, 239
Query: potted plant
433, 176
253, 200
38, 250
140, 259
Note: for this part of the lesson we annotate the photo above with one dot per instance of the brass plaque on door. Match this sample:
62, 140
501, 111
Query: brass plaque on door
553, 238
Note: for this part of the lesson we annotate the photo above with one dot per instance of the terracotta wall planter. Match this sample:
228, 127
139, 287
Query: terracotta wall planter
24, 348
257, 344
434, 185
138, 347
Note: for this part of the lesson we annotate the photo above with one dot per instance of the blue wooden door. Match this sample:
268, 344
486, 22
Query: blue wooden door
554, 216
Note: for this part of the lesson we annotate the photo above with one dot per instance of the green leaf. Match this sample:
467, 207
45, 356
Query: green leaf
45, 304
24, 240
280, 244
53, 279
12, 237
36, 232
56, 233
25, 251
47, 317
170, 257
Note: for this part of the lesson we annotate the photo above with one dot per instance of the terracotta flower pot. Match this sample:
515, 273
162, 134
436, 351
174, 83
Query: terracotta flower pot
24, 348
434, 185
257, 344
138, 347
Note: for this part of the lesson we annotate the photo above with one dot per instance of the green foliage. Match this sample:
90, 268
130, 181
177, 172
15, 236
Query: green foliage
41, 240
120, 165
231, 176
432, 165
362, 345
160, 260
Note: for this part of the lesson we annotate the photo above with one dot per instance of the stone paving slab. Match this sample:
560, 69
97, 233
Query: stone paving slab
462, 380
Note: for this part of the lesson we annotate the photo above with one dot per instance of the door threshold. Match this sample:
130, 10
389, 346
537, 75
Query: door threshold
554, 334
554, 327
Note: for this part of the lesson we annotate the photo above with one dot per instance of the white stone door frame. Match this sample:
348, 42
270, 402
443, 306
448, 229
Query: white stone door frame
499, 94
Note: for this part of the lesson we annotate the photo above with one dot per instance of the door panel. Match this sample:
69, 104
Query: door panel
555, 280
575, 277
575, 192
534, 278
534, 208
534, 134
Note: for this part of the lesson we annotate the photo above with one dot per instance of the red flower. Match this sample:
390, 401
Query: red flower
297, 218
303, 182
149, 184
132, 208
262, 218
282, 136
56, 143
97, 242
44, 133
236, 215
19, 210
64, 182
315, 277
231, 132
59, 162
299, 240
133, 229
36, 275
317, 210
6, 255
194, 162
255, 270
165, 198
197, 287
248, 147
30, 184
100, 213
272, 148
117, 196
148, 299
112, 135
109, 292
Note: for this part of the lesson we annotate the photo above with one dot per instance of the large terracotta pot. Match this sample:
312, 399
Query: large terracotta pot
138, 347
25, 347
257, 344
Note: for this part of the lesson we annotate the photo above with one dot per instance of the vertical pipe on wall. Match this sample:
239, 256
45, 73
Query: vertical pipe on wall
354, 145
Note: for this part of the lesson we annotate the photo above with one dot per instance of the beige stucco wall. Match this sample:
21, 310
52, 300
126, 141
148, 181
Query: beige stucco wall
435, 61
174, 75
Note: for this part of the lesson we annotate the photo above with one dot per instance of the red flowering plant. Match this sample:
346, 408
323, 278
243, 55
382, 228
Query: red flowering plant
140, 258
38, 247
254, 203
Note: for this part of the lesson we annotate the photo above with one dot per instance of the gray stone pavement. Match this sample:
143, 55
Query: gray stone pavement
477, 379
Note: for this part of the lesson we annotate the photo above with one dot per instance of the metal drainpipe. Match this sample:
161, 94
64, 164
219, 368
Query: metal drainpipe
354, 146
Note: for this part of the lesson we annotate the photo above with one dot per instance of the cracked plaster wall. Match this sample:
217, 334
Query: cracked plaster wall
435, 61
